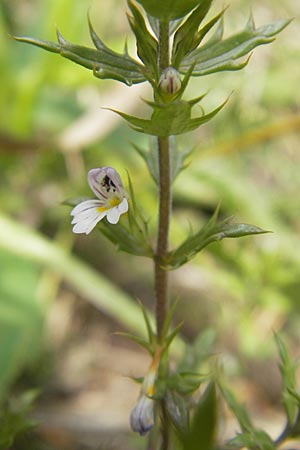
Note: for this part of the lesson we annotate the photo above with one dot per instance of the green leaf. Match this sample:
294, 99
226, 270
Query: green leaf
147, 46
211, 232
169, 119
223, 54
168, 9
258, 439
203, 427
150, 157
187, 38
250, 437
237, 408
288, 369
14, 420
186, 382
177, 158
150, 332
172, 335
125, 240
138, 340
104, 62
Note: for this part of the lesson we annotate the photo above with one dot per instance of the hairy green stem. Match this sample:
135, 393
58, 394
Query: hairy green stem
161, 275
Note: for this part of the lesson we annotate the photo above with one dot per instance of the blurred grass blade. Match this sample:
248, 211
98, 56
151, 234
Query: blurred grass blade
21, 240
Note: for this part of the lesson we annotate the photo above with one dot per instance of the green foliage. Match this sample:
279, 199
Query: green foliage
250, 437
150, 343
13, 418
288, 369
132, 238
177, 158
168, 9
203, 426
216, 55
185, 383
104, 62
212, 231
219, 54
187, 36
170, 119
147, 46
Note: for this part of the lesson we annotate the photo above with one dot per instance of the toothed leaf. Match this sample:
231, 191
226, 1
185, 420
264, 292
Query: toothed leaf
288, 369
186, 37
211, 232
104, 62
222, 54
169, 119
147, 46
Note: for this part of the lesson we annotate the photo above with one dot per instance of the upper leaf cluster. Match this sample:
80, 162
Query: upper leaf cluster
216, 54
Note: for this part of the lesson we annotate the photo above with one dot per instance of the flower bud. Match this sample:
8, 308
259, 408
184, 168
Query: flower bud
142, 415
169, 82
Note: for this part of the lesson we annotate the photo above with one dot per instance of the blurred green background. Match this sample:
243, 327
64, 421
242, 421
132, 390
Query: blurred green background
61, 296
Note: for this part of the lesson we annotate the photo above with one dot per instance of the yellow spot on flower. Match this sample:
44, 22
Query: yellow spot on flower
114, 201
150, 390
102, 208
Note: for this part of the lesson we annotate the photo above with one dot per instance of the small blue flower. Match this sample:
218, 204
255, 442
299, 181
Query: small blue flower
142, 415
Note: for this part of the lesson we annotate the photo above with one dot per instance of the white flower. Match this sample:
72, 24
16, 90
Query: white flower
111, 201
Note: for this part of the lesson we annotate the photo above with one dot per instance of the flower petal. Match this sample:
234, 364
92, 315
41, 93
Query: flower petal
85, 206
104, 182
88, 214
115, 178
142, 415
113, 215
86, 225
123, 206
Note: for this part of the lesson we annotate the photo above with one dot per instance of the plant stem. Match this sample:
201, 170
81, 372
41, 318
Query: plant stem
161, 275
